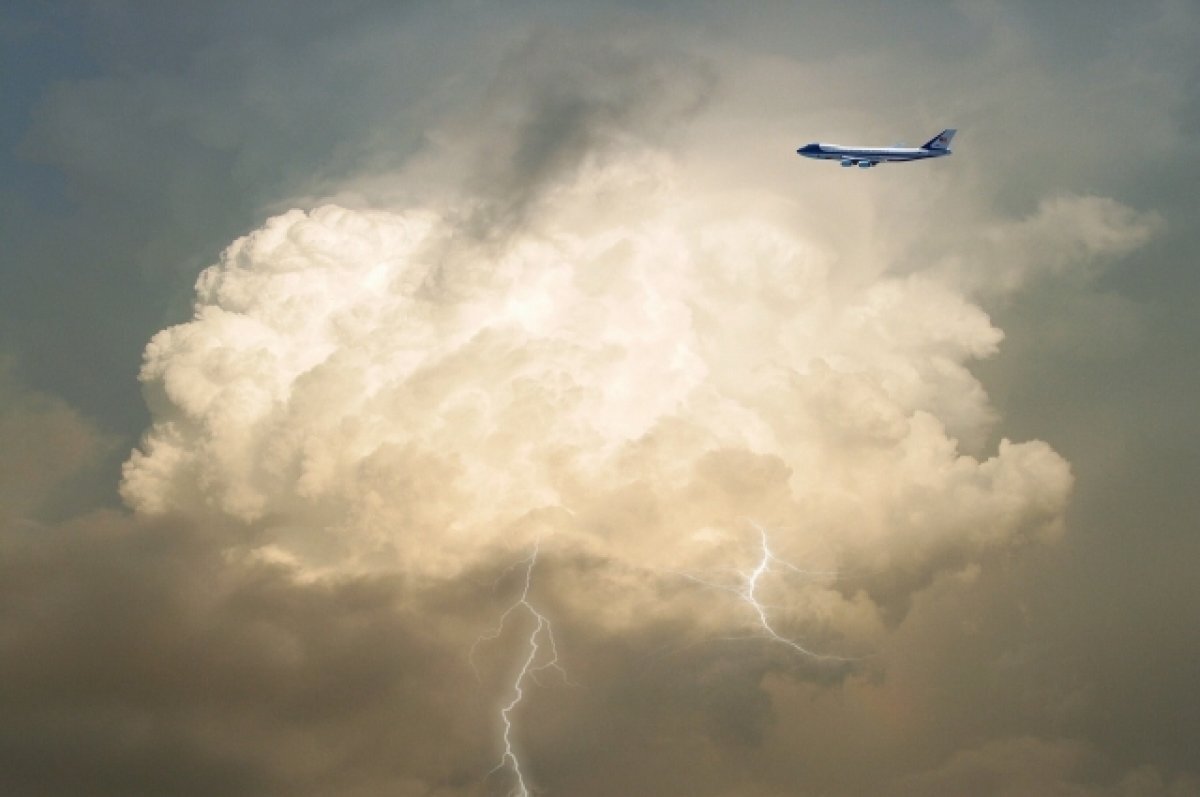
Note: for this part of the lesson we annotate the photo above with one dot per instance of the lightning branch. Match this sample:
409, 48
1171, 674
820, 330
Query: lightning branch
540, 655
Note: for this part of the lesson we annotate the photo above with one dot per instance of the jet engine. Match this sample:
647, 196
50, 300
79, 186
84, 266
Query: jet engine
847, 162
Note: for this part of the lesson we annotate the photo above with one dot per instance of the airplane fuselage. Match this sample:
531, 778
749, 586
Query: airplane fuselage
936, 147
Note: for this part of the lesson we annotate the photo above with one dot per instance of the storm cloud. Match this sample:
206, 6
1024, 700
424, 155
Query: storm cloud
415, 287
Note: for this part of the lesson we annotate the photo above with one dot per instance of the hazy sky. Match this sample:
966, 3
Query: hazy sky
319, 319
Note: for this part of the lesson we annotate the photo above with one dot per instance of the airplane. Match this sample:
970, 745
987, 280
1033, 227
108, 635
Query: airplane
866, 157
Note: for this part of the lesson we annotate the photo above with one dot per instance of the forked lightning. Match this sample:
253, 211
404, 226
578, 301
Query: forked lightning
541, 654
747, 591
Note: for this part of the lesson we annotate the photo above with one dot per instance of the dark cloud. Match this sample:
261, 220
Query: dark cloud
139, 659
1027, 765
563, 97
48, 453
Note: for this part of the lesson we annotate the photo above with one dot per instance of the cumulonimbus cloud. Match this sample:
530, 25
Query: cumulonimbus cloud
643, 369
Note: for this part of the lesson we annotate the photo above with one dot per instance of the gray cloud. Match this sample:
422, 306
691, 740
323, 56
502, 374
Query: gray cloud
1036, 766
48, 453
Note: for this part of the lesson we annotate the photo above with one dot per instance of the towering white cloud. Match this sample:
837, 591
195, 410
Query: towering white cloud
641, 367
1068, 233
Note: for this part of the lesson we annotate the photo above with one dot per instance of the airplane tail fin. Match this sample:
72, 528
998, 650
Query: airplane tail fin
941, 140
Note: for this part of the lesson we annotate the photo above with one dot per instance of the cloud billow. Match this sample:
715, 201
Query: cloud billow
638, 368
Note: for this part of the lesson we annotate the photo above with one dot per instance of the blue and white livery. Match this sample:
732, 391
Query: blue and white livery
866, 157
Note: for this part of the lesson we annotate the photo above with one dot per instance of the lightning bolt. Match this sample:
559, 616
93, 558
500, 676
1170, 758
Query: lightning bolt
541, 654
746, 590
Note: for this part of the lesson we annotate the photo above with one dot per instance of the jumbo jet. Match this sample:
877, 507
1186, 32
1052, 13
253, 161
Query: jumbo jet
867, 157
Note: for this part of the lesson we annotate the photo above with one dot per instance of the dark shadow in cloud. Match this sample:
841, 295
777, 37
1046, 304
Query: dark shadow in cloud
563, 98
136, 659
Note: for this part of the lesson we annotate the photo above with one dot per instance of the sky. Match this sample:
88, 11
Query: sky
453, 399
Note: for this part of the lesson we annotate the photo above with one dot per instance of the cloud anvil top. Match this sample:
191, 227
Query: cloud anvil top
866, 157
